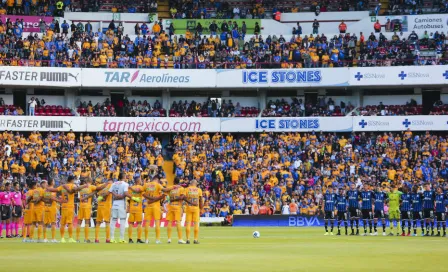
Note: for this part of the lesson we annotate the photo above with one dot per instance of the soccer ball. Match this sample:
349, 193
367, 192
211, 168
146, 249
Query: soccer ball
256, 234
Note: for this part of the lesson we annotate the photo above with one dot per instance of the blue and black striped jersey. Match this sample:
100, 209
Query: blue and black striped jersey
330, 201
406, 205
341, 203
416, 199
440, 203
366, 198
428, 199
353, 199
380, 197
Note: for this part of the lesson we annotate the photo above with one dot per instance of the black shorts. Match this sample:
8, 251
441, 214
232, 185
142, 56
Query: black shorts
428, 213
405, 215
379, 214
329, 215
366, 214
342, 216
6, 212
353, 212
17, 211
441, 216
417, 215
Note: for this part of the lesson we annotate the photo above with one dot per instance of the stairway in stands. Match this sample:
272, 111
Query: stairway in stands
163, 9
168, 168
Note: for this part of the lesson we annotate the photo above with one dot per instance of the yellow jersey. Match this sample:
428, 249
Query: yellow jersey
153, 189
68, 197
87, 203
135, 207
176, 192
193, 194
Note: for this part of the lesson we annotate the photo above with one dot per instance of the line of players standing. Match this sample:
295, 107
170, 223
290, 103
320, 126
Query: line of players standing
427, 207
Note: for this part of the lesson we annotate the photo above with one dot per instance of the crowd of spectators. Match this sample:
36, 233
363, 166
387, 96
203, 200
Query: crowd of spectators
57, 155
211, 108
143, 109
410, 108
239, 174
9, 109
99, 109
297, 108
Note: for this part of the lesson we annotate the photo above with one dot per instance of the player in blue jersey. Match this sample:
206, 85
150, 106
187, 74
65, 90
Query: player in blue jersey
405, 211
366, 208
353, 208
441, 211
328, 207
342, 208
417, 214
428, 208
380, 197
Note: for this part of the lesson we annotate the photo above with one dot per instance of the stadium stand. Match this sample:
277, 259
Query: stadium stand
211, 108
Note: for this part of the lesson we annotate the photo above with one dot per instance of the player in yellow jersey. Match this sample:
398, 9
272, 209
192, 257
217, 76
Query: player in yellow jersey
193, 197
153, 193
50, 210
103, 211
176, 196
67, 191
27, 215
37, 213
85, 209
136, 210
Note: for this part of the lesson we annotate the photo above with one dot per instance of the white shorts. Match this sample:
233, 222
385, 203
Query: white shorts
118, 213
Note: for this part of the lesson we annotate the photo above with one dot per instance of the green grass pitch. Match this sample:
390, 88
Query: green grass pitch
234, 249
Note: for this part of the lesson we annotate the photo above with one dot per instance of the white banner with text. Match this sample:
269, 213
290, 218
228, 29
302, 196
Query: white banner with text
40, 76
42, 123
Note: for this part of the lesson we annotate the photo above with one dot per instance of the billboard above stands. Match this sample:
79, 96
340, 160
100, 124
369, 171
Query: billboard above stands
149, 124
149, 78
399, 75
280, 124
417, 23
40, 76
42, 123
283, 78
400, 123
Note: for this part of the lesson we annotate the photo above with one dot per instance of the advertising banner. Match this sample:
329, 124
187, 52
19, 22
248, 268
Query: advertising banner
259, 78
30, 23
181, 25
277, 221
149, 78
400, 123
399, 75
149, 124
417, 23
303, 124
42, 123
40, 76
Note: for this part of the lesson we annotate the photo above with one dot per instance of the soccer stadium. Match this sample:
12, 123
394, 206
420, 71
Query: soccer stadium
223, 135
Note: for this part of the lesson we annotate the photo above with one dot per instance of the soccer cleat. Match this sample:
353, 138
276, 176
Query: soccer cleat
8, 236
187, 242
122, 242
71, 240
54, 241
131, 241
169, 241
432, 233
139, 241
63, 241
403, 234
331, 233
423, 234
78, 241
25, 240
409, 233
414, 235
391, 234
427, 234
196, 242
97, 241
31, 241
45, 241
158, 242
1, 237
338, 234
87, 241
384, 234
352, 234
107, 241
112, 241
146, 241
374, 234
365, 234
181, 242
437, 235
